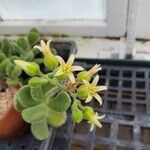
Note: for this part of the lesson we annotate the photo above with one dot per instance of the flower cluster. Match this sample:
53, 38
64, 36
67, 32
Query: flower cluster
47, 96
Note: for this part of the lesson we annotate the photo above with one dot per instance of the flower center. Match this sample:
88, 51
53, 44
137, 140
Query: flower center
92, 90
66, 68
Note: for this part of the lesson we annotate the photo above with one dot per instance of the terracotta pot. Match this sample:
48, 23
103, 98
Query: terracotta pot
11, 122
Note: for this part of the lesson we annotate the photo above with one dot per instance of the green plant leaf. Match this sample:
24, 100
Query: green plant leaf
12, 82
9, 68
35, 113
29, 56
3, 66
38, 60
17, 105
6, 47
34, 81
16, 72
33, 37
1, 44
37, 93
47, 87
25, 97
2, 57
34, 30
23, 43
61, 102
40, 129
16, 49
56, 119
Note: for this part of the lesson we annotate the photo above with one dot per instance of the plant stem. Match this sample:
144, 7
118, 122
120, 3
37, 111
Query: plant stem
47, 144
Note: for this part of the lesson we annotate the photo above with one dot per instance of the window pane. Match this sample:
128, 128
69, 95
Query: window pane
53, 9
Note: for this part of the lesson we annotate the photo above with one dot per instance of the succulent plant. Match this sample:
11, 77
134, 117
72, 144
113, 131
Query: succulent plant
45, 99
10, 50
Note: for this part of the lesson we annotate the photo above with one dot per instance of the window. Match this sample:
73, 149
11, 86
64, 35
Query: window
143, 20
69, 17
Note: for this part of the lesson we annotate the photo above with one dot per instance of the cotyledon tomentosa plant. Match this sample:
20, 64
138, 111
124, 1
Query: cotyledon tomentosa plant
10, 50
46, 98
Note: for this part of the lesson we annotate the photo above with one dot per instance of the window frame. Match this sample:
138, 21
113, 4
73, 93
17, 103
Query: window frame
114, 26
143, 21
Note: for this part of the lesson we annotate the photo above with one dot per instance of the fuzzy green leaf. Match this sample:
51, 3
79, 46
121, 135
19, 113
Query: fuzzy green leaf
37, 93
34, 81
3, 67
61, 102
9, 68
12, 82
33, 37
35, 113
1, 44
17, 105
6, 47
23, 43
40, 129
47, 87
16, 72
2, 57
16, 49
34, 30
29, 56
25, 97
38, 60
56, 119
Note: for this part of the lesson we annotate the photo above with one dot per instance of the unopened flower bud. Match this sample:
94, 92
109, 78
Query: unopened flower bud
30, 68
82, 92
88, 112
84, 75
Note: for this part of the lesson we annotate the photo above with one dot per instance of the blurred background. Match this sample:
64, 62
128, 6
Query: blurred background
113, 24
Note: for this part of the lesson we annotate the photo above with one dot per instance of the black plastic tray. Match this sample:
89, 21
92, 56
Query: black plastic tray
126, 106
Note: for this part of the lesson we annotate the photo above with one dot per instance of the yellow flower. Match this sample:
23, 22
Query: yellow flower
50, 60
93, 118
86, 75
93, 89
94, 69
67, 68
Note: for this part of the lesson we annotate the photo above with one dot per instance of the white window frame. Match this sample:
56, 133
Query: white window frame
114, 26
143, 20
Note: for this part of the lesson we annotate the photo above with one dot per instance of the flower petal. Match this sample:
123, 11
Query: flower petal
72, 78
77, 68
43, 43
97, 123
101, 88
38, 47
48, 43
60, 59
71, 59
98, 98
59, 72
89, 98
92, 127
86, 82
95, 81
100, 117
